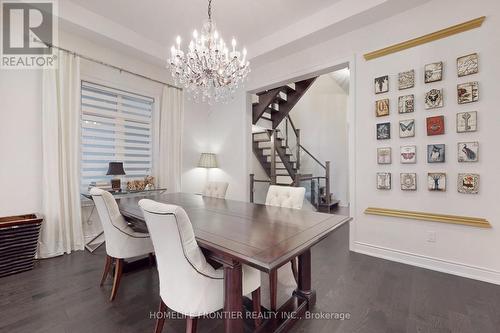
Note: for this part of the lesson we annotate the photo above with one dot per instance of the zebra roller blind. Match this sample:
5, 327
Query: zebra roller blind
116, 126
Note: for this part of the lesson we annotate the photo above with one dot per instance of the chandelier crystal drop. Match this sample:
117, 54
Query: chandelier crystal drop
209, 70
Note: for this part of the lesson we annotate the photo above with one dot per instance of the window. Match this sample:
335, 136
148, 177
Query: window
116, 126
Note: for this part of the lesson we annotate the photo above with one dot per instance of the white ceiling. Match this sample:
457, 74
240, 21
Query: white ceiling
162, 20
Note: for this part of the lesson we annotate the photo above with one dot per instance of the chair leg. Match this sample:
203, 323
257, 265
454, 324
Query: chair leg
191, 323
118, 276
107, 266
273, 288
295, 270
256, 307
160, 321
151, 260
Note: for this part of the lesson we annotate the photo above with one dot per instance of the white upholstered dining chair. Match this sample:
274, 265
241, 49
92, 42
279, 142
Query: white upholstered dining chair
188, 283
122, 241
215, 189
288, 197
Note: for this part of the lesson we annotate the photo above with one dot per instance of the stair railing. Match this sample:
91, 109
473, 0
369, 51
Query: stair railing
299, 149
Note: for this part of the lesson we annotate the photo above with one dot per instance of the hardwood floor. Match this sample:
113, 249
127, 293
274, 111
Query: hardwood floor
63, 295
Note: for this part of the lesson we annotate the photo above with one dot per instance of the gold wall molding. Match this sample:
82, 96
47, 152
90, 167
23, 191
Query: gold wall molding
407, 214
443, 33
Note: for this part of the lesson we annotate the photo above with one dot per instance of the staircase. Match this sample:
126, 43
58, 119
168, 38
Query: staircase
277, 146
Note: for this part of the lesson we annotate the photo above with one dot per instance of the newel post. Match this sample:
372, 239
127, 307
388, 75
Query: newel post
298, 150
252, 178
327, 176
273, 157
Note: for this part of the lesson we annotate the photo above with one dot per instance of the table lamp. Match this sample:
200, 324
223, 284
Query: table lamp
207, 160
116, 169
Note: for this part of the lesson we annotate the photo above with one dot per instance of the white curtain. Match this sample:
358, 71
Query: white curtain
170, 139
62, 230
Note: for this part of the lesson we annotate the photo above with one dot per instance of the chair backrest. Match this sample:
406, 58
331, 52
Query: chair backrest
182, 267
116, 229
215, 189
285, 196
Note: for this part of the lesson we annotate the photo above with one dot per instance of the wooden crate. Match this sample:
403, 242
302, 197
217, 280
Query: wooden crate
18, 242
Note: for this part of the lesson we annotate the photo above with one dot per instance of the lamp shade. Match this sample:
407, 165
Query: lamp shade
115, 169
207, 160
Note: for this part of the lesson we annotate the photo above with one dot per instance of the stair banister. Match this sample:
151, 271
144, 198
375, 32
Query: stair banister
297, 133
273, 157
327, 185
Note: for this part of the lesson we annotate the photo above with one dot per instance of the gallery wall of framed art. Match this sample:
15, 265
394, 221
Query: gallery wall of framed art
406, 239
436, 151
408, 116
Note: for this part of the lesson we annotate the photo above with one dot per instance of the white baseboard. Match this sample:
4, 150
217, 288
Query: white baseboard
445, 266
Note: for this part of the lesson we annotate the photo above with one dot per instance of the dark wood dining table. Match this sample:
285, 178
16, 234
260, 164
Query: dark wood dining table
233, 233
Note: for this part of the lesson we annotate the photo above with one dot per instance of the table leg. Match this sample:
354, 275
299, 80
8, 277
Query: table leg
304, 288
233, 298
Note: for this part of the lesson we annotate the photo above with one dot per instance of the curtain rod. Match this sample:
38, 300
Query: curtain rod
112, 66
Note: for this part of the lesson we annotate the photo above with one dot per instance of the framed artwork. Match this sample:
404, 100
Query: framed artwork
407, 128
383, 180
436, 153
435, 125
383, 131
468, 151
433, 72
382, 84
408, 154
467, 122
468, 183
434, 99
406, 80
468, 92
436, 181
408, 181
382, 107
467, 65
406, 104
384, 155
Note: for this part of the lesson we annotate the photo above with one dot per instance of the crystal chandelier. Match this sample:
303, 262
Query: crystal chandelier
209, 71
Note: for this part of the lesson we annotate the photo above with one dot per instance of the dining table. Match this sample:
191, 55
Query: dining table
235, 233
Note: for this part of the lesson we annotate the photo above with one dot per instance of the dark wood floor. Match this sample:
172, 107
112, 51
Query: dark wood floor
63, 295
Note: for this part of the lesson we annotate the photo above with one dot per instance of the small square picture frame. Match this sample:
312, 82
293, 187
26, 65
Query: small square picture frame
406, 104
466, 122
384, 131
468, 92
408, 154
433, 72
384, 155
382, 107
467, 65
436, 181
406, 80
436, 153
468, 183
407, 128
435, 125
408, 181
381, 84
468, 152
384, 181
434, 99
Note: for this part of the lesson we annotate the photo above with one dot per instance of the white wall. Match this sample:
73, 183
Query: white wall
321, 117
221, 129
461, 250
